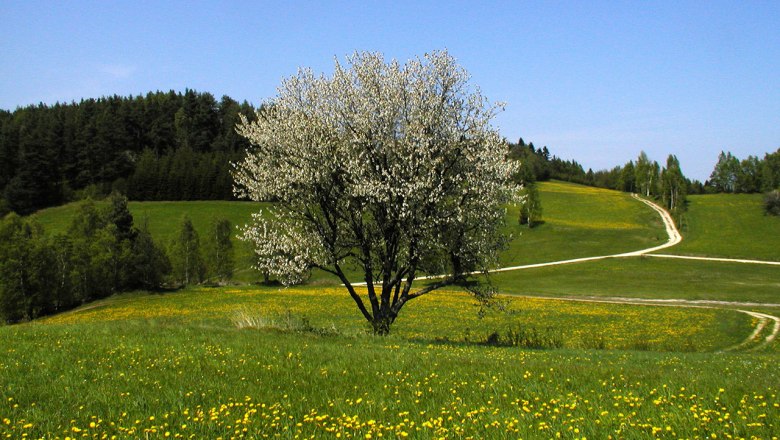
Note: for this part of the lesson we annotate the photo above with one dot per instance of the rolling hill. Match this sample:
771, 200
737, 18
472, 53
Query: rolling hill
579, 221
262, 361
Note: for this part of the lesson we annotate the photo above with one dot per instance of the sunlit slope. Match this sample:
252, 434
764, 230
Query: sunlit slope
444, 315
729, 226
581, 221
643, 277
143, 365
164, 220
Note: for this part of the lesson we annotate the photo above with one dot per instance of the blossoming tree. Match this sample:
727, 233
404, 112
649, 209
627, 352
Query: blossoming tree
392, 168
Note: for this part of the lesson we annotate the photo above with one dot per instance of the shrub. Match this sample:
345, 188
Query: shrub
772, 202
526, 338
288, 322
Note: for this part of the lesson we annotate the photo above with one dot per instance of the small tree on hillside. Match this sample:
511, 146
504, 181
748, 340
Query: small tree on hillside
772, 203
27, 270
187, 262
673, 184
674, 188
531, 207
94, 253
627, 180
724, 176
394, 168
119, 214
220, 249
16, 239
149, 264
647, 175
770, 172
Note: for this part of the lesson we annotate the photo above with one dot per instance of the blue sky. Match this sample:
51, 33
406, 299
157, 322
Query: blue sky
595, 81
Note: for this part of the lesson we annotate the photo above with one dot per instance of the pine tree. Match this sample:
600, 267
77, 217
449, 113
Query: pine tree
187, 262
627, 181
220, 249
119, 215
148, 264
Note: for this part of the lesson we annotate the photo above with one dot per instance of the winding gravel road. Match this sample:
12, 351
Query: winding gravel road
674, 238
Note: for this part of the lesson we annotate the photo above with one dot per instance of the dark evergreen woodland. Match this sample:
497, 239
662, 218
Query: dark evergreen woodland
162, 146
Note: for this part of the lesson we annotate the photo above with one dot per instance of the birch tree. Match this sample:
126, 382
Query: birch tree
393, 168
674, 188
673, 184
187, 262
646, 175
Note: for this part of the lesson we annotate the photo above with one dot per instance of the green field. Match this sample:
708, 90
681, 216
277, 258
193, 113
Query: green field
270, 362
429, 319
582, 221
645, 277
177, 366
729, 226
579, 221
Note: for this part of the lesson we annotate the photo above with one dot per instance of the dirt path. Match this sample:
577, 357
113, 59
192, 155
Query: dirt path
674, 238
671, 230
749, 343
725, 260
763, 320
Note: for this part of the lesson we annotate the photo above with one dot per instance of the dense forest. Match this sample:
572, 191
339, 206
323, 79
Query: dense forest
179, 146
162, 146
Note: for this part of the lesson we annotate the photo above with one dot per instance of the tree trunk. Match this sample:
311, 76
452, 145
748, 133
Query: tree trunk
381, 326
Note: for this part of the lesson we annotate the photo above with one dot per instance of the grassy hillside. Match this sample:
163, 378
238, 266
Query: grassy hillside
645, 277
582, 221
164, 220
579, 221
730, 226
257, 362
175, 366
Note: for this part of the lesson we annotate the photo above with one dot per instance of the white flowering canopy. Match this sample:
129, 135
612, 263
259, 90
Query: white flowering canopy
394, 168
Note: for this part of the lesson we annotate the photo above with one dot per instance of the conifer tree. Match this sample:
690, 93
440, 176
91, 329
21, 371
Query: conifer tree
187, 262
220, 249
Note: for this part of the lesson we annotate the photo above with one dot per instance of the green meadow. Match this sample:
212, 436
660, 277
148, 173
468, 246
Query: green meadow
648, 277
254, 361
729, 226
189, 365
578, 221
581, 221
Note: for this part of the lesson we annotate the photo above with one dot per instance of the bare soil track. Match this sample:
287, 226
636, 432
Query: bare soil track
674, 238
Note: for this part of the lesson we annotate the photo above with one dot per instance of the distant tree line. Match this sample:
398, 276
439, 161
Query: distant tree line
646, 177
165, 145
750, 175
102, 253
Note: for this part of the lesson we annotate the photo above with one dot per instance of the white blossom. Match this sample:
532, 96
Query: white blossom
393, 167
